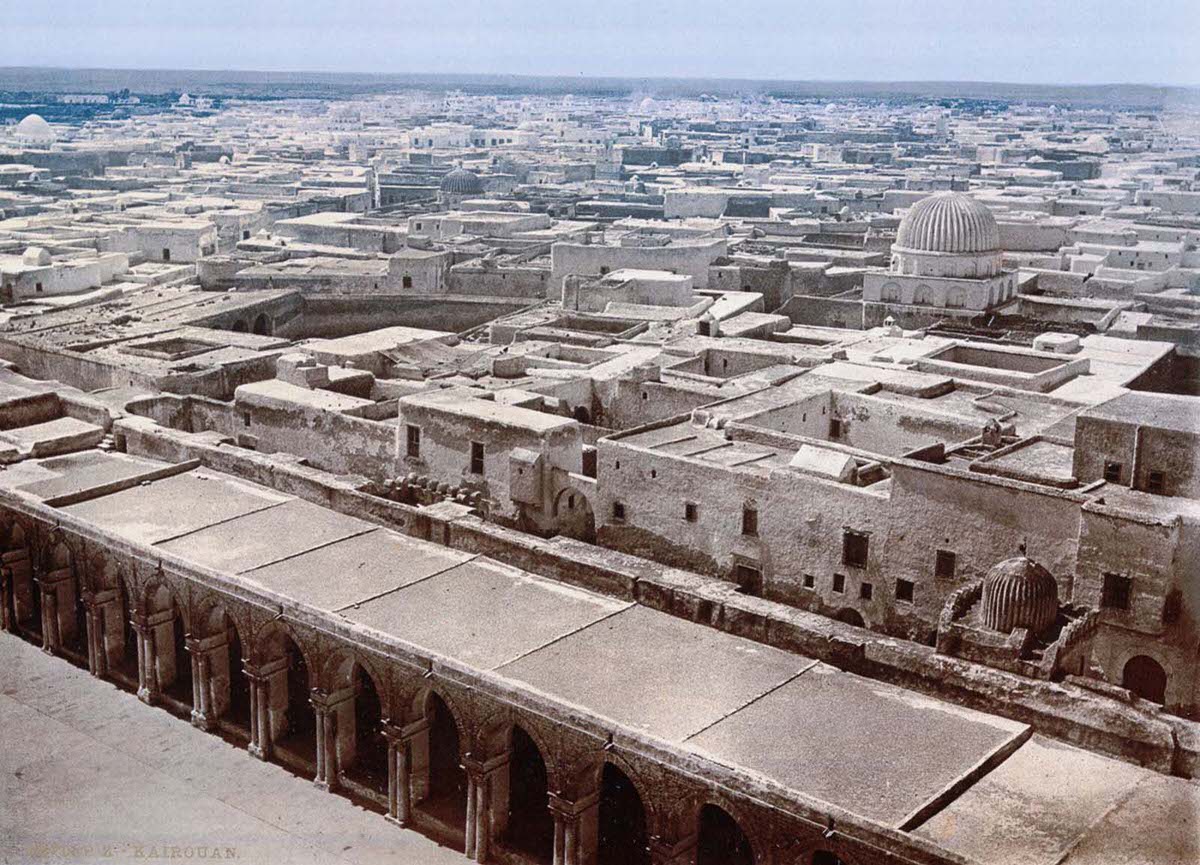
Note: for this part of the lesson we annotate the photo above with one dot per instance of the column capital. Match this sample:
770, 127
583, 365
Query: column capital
478, 768
664, 851
569, 809
401, 732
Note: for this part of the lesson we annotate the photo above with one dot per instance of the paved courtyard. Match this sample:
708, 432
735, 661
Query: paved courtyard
89, 774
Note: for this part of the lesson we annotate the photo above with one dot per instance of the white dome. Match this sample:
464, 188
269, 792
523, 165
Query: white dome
34, 128
949, 222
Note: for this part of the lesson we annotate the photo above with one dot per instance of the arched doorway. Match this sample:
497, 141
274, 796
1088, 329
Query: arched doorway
124, 667
850, 616
530, 823
369, 766
622, 839
720, 840
240, 326
575, 516
1145, 677
238, 712
262, 325
289, 735
446, 800
173, 662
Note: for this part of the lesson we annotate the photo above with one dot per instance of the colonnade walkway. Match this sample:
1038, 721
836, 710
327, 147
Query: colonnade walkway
91, 774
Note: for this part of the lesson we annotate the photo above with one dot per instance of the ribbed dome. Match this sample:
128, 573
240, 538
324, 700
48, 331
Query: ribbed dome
1019, 593
35, 128
461, 182
949, 222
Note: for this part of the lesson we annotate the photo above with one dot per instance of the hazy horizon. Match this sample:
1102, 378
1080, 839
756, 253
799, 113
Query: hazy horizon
1067, 43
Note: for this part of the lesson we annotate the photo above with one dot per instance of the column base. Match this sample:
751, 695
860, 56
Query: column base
396, 821
258, 752
202, 721
146, 696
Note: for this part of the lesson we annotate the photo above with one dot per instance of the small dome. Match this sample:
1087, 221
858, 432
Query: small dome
34, 128
461, 182
949, 222
1019, 593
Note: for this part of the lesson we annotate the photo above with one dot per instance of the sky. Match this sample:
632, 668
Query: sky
1022, 41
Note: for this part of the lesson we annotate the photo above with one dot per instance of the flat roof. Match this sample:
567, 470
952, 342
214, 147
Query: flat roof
1164, 411
868, 747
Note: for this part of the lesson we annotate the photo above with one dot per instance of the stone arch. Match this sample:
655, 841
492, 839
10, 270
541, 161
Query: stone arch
889, 292
225, 690
522, 818
286, 723
23, 598
359, 702
1146, 677
262, 325
240, 326
721, 838
166, 626
574, 514
850, 616
625, 815
439, 782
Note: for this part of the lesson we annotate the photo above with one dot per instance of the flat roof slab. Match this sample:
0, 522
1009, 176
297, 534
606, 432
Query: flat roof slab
656, 673
158, 510
1159, 822
1046, 794
57, 436
874, 749
86, 470
269, 535
484, 614
356, 569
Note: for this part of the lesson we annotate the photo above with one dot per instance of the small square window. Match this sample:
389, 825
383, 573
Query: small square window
904, 590
413, 444
476, 458
245, 418
839, 583
691, 512
945, 563
750, 522
245, 235
618, 512
866, 591
810, 582
1112, 472
1116, 592
1156, 482
406, 282
855, 546
835, 428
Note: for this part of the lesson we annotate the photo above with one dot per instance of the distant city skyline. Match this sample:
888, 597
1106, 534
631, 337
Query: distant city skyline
1014, 41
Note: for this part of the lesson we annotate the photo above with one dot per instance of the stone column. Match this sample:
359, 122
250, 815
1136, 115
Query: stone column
487, 803
328, 708
94, 620
260, 724
202, 710
402, 742
576, 829
7, 619
51, 637
146, 655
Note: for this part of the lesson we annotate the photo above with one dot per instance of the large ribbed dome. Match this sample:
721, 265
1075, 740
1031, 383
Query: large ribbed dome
949, 222
1019, 593
34, 128
461, 182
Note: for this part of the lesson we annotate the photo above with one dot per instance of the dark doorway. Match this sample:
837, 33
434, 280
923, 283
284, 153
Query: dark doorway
851, 617
447, 799
238, 712
824, 857
622, 838
530, 823
181, 688
1145, 677
262, 325
720, 841
370, 745
298, 737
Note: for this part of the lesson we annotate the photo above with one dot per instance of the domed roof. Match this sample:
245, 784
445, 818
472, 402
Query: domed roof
34, 127
949, 222
459, 181
1019, 593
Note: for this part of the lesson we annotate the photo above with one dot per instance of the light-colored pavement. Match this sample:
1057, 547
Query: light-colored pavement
89, 774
